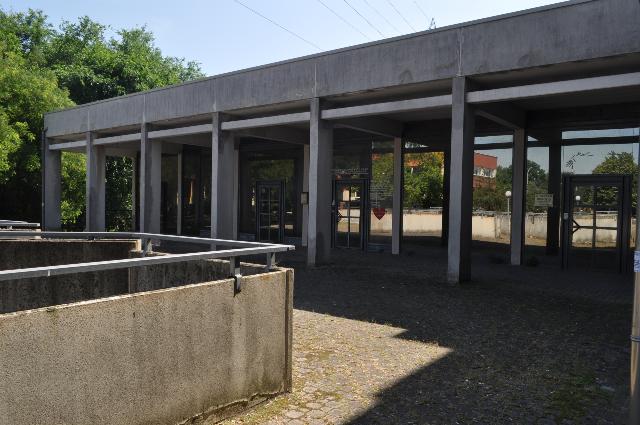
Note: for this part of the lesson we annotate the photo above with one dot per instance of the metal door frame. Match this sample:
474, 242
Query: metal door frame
623, 233
364, 201
280, 184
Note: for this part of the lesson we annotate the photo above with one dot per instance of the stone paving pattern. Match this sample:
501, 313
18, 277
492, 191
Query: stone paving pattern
382, 339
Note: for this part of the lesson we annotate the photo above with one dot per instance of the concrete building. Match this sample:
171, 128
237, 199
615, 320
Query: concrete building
254, 154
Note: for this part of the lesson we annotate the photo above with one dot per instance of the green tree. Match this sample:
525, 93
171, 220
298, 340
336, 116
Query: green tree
423, 180
617, 163
27, 90
44, 69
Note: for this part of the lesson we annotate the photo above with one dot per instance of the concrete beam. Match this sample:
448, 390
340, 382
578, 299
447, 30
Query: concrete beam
295, 118
134, 137
320, 187
95, 186
460, 184
505, 114
150, 182
398, 180
277, 134
51, 188
518, 189
68, 145
181, 131
555, 88
378, 126
434, 102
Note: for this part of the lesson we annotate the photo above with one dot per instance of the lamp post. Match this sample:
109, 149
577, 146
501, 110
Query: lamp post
508, 195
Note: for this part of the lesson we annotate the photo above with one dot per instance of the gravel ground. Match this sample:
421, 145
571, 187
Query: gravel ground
382, 339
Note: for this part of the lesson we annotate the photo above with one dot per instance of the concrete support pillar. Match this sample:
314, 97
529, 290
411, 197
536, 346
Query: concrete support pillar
51, 188
95, 186
555, 184
460, 184
398, 179
444, 238
518, 189
305, 188
224, 182
320, 196
150, 182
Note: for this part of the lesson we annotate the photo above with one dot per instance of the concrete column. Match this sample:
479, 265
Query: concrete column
555, 184
95, 186
305, 188
460, 184
150, 182
224, 182
398, 179
320, 196
51, 188
444, 238
518, 189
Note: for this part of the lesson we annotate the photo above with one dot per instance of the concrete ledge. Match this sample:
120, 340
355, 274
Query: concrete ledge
158, 357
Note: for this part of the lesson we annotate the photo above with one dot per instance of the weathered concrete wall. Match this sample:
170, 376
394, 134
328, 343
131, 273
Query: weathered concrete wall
562, 33
157, 357
23, 294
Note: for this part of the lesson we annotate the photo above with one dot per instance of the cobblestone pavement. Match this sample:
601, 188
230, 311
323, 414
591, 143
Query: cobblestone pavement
339, 365
382, 339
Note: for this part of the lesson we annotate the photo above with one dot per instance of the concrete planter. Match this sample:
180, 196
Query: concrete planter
164, 356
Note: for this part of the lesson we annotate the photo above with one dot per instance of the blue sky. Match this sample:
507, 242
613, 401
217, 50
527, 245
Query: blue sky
224, 36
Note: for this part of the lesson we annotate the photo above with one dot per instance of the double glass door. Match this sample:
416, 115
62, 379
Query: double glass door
270, 211
596, 221
348, 211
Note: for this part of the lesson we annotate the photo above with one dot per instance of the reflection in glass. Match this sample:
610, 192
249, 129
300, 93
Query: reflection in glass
492, 195
423, 195
381, 193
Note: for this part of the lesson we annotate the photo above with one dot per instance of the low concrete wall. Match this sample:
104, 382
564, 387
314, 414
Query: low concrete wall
159, 357
496, 226
23, 294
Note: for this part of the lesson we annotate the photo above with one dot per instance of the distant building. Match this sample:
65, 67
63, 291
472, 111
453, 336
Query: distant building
484, 170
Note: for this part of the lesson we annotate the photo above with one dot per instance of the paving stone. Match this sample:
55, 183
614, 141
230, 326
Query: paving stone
368, 350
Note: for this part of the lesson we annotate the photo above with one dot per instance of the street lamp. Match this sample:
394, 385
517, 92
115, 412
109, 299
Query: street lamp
508, 195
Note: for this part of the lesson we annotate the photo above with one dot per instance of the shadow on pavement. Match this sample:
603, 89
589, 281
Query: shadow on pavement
530, 345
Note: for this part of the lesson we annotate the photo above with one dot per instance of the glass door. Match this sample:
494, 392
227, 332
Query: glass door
348, 214
270, 211
596, 221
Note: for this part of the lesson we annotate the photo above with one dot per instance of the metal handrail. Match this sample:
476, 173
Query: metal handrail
19, 224
242, 249
144, 236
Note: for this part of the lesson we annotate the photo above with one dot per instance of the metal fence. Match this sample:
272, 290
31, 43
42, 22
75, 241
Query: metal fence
233, 252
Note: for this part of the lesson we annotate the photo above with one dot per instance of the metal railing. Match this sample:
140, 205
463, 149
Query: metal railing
237, 249
17, 224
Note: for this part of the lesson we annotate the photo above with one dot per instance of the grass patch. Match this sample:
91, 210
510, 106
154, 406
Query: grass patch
574, 394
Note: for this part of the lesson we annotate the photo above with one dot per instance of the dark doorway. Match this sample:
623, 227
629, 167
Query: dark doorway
348, 213
196, 191
596, 221
270, 210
